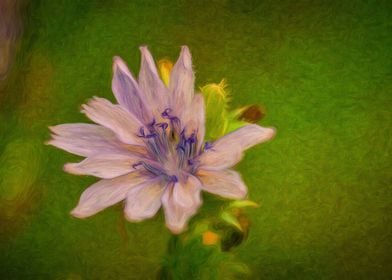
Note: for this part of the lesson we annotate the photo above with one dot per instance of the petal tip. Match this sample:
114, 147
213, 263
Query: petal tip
186, 57
143, 48
176, 229
185, 49
265, 133
119, 64
133, 219
242, 194
116, 58
71, 168
77, 213
271, 132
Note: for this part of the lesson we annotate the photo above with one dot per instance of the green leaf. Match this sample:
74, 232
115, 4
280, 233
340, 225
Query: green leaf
243, 203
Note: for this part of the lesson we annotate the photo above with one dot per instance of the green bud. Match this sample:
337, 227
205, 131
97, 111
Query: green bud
216, 101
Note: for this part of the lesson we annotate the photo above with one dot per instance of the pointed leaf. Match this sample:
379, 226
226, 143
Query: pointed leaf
230, 219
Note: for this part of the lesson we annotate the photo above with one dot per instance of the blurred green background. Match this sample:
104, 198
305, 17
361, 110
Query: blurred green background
322, 71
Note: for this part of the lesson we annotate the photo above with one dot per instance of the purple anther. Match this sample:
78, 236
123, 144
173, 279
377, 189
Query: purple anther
165, 113
162, 125
173, 178
137, 164
152, 135
141, 132
192, 138
152, 123
180, 147
175, 124
207, 146
190, 161
174, 119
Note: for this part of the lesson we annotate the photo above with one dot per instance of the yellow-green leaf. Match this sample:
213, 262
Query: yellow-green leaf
230, 219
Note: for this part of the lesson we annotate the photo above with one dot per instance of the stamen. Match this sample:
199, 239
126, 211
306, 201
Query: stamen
174, 119
192, 138
174, 122
173, 179
165, 114
141, 132
180, 147
170, 143
152, 123
207, 146
137, 164
162, 139
152, 169
181, 152
162, 125
151, 135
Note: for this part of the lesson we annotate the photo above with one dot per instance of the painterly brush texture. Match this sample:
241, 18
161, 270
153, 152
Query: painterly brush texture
321, 70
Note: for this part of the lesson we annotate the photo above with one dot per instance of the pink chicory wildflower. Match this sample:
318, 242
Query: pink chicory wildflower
149, 151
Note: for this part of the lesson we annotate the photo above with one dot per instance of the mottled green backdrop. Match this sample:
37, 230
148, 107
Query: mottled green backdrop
321, 69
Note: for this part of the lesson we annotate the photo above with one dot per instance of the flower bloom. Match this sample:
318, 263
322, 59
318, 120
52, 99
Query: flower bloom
149, 149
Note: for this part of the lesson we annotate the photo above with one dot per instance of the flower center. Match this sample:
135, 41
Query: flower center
173, 150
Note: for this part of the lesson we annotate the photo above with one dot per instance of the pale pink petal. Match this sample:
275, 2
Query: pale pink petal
228, 150
151, 85
114, 117
104, 166
181, 83
85, 139
185, 194
106, 193
128, 93
144, 201
180, 205
226, 183
193, 119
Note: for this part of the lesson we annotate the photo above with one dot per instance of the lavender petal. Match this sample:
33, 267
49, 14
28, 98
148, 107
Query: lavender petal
128, 93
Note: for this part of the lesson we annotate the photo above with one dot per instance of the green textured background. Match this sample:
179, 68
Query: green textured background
322, 70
